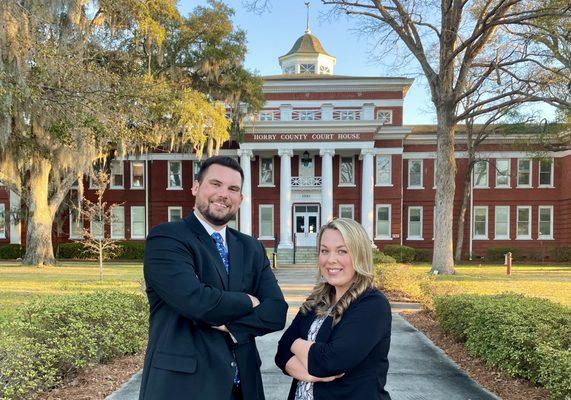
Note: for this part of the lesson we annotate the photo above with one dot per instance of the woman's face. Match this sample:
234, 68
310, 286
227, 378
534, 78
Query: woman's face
335, 263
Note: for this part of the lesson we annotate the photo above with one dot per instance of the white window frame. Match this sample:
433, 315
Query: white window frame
195, 169
410, 162
307, 68
3, 223
409, 237
485, 235
324, 69
539, 235
174, 208
390, 170
501, 237
133, 208
91, 223
434, 211
347, 206
113, 233
347, 115
142, 187
378, 236
434, 175
122, 169
508, 185
518, 236
528, 185
71, 223
266, 116
544, 185
169, 173
486, 183
94, 172
347, 184
382, 119
266, 184
271, 207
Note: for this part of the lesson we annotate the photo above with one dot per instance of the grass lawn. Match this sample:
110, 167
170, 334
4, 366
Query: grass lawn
550, 282
19, 284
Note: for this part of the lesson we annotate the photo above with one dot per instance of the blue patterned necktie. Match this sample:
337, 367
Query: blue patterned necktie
217, 237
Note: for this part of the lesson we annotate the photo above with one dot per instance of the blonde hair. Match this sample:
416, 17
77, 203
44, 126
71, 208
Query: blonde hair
322, 298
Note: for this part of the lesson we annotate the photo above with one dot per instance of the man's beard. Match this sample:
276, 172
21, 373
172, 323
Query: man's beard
204, 209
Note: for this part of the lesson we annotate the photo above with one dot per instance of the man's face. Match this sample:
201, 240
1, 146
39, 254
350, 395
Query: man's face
219, 195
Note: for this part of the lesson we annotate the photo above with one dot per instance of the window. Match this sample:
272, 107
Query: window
502, 223
347, 115
290, 69
346, 171
502, 173
75, 224
523, 222
307, 68
175, 175
266, 221
383, 221
195, 169
307, 115
384, 170
434, 214
545, 222
137, 222
546, 173
524, 172
266, 116
435, 177
96, 169
118, 222
233, 223
481, 174
481, 222
137, 175
116, 181
414, 223
415, 174
266, 171
347, 211
324, 69
385, 117
175, 214
96, 227
3, 221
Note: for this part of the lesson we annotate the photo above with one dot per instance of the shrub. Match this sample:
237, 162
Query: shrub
55, 336
403, 281
12, 252
381, 258
74, 250
526, 337
130, 251
126, 251
561, 254
424, 255
402, 254
498, 253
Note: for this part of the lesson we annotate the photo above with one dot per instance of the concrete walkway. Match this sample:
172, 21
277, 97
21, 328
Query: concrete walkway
418, 369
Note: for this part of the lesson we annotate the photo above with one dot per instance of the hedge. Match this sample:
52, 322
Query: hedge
423, 255
127, 251
526, 337
12, 252
53, 337
381, 258
498, 253
561, 254
402, 254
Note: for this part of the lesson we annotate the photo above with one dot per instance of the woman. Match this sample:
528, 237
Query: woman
337, 345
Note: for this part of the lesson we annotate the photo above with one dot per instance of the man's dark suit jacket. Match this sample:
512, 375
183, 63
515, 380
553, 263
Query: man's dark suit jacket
189, 291
357, 346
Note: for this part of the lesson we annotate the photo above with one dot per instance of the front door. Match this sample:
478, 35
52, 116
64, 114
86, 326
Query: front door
306, 224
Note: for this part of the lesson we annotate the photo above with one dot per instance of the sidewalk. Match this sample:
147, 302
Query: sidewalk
418, 369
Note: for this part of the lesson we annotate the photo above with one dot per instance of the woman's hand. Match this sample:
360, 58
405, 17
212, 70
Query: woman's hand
294, 367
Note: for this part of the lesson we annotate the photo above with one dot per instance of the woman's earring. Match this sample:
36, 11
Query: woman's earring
321, 279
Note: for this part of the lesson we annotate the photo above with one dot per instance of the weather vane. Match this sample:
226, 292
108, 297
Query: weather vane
307, 24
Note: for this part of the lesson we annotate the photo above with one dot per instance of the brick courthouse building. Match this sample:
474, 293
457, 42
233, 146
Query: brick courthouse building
326, 145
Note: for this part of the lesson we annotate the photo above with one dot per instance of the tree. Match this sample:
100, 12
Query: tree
83, 80
466, 38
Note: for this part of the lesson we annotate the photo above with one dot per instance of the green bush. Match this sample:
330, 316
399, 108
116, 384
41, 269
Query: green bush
498, 253
74, 251
402, 254
423, 255
52, 338
526, 337
130, 251
126, 251
561, 254
381, 258
404, 282
12, 252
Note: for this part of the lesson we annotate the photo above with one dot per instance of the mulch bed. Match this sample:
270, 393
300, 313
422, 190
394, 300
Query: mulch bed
495, 381
99, 381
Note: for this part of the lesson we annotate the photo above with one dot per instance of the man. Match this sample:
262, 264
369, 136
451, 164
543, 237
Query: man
211, 292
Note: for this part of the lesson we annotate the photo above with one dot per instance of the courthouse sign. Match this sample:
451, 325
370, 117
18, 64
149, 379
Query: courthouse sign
307, 137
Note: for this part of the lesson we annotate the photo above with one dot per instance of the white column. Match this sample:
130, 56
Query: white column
326, 185
367, 188
285, 199
15, 226
246, 156
327, 112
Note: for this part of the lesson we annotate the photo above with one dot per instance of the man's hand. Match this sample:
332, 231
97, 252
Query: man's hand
255, 301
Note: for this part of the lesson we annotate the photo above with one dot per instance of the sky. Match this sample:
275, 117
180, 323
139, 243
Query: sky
272, 33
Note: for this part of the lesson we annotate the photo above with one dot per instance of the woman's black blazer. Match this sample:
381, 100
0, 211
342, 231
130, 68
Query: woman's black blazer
357, 346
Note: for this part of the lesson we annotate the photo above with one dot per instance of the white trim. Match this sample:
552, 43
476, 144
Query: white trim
169, 172
352, 206
383, 237
530, 184
483, 154
260, 207
526, 237
485, 235
347, 184
509, 184
174, 208
102, 229
273, 146
421, 237
113, 234
486, 184
338, 103
421, 185
122, 168
550, 184
142, 187
132, 220
269, 184
545, 237
388, 150
71, 223
496, 236
178, 156
390, 158
3, 220
385, 111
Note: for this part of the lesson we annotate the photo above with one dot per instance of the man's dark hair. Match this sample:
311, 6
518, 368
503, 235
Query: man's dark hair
225, 161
